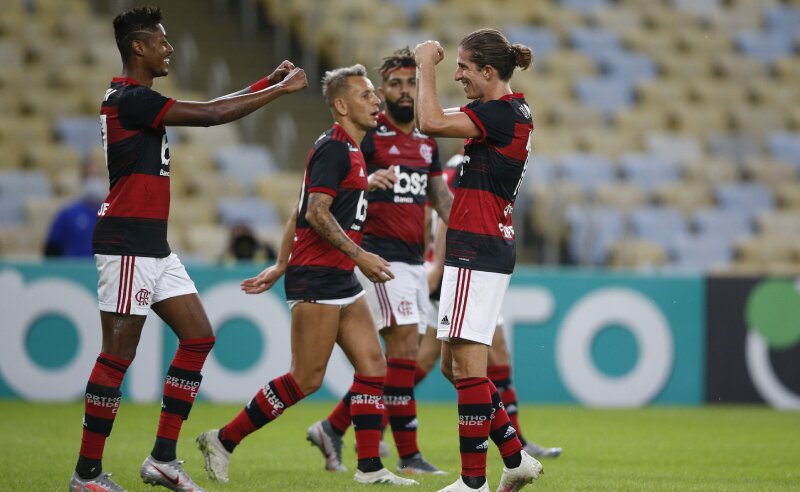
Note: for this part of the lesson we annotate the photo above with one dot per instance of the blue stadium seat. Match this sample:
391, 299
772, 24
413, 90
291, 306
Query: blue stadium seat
745, 198
682, 148
783, 19
607, 95
591, 231
594, 42
250, 211
736, 148
585, 6
542, 40
540, 170
633, 67
765, 46
649, 171
24, 184
722, 223
412, 8
661, 225
587, 170
246, 163
80, 133
785, 146
697, 253
12, 211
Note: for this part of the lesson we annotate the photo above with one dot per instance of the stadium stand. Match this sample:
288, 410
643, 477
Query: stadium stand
684, 105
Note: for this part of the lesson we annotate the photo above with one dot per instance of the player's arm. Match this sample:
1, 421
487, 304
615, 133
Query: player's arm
267, 278
431, 118
231, 108
276, 76
440, 197
319, 215
437, 265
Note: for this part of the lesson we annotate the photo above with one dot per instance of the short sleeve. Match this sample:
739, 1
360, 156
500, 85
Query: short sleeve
368, 145
328, 167
495, 119
141, 107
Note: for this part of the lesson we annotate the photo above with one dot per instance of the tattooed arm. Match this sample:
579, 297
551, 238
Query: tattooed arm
440, 197
375, 268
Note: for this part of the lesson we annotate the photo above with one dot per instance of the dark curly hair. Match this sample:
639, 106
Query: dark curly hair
135, 24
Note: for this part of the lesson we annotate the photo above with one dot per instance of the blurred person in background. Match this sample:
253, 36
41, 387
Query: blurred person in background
404, 171
480, 250
244, 245
136, 268
70, 234
320, 248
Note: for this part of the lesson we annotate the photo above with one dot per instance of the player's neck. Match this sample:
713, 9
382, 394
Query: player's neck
144, 77
404, 127
496, 91
354, 131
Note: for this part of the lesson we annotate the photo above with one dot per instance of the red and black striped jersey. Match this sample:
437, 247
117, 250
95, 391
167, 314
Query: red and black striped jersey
480, 235
317, 270
133, 218
395, 228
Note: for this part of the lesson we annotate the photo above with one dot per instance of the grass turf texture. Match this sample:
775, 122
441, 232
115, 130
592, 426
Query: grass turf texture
664, 448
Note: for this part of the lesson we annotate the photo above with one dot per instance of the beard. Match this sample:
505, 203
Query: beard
402, 114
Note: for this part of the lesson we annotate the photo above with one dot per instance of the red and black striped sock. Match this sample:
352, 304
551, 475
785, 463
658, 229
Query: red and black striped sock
340, 416
503, 433
268, 404
102, 399
398, 397
366, 410
419, 375
474, 421
501, 378
180, 389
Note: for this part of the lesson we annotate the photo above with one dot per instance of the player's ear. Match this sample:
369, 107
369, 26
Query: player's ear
340, 106
381, 94
137, 47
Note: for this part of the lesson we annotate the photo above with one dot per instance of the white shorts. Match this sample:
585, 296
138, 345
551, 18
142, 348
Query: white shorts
131, 284
342, 303
470, 304
404, 298
433, 314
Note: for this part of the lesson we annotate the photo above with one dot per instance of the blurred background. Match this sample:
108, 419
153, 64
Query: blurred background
666, 130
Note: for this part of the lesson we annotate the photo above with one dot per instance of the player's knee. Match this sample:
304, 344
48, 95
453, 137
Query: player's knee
309, 381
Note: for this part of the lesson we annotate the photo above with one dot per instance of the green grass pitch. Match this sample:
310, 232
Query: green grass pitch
663, 448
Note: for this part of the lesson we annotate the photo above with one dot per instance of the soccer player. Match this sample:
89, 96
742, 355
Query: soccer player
326, 300
404, 170
480, 250
137, 270
499, 361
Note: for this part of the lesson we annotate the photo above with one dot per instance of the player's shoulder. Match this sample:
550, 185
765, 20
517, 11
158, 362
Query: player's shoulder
335, 140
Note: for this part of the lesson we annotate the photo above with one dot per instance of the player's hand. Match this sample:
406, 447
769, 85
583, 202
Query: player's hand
428, 51
281, 72
264, 280
295, 80
383, 179
375, 268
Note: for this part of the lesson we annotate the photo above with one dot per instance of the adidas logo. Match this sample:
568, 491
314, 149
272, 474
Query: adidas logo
394, 150
511, 409
412, 425
361, 173
483, 445
509, 432
445, 321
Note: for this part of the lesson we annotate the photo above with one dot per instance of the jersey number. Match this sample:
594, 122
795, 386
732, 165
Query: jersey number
361, 210
525, 166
